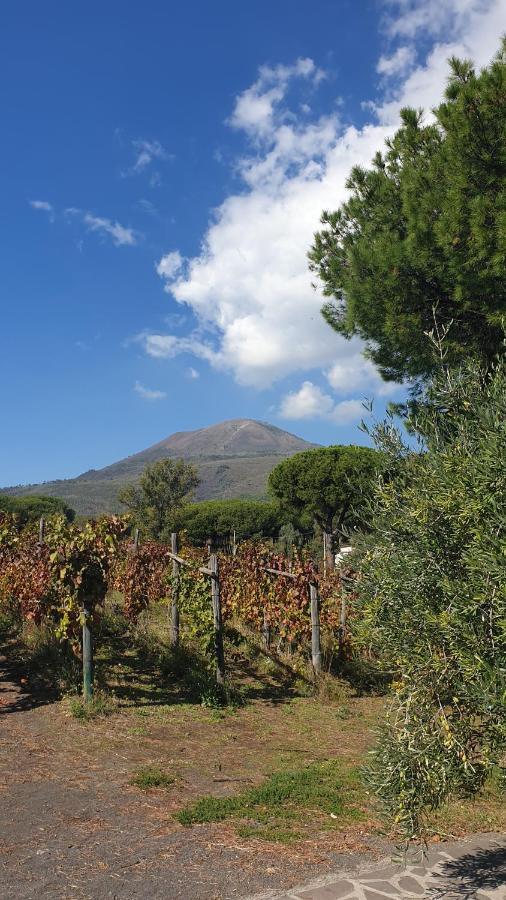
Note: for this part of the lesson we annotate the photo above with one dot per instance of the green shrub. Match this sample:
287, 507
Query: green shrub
432, 594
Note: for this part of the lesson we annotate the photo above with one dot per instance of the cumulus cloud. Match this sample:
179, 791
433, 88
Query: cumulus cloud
169, 266
255, 107
463, 28
147, 393
192, 373
310, 402
397, 63
249, 286
354, 372
437, 18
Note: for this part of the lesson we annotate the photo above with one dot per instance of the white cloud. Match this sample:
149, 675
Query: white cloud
192, 373
249, 286
41, 204
120, 235
169, 266
397, 63
255, 108
147, 393
310, 402
168, 346
436, 18
146, 152
354, 372
463, 28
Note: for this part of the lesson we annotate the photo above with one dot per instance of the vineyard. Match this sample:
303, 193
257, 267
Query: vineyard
59, 575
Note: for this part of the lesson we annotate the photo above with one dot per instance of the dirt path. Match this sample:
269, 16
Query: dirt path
72, 827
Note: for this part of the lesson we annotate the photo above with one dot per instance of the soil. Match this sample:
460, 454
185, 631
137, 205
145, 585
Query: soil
72, 825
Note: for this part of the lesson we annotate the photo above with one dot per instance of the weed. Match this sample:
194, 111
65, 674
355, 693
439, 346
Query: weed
98, 706
151, 777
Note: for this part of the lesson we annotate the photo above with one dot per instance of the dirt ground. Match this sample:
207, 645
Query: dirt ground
73, 826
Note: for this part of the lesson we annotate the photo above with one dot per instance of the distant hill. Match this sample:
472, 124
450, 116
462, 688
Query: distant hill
234, 459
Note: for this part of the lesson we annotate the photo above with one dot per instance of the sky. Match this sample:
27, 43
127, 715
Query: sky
164, 168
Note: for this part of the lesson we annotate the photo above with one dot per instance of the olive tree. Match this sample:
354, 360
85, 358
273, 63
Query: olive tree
432, 597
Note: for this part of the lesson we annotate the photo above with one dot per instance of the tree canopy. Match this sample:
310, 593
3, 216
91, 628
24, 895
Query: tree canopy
421, 241
218, 519
432, 598
163, 488
330, 484
33, 506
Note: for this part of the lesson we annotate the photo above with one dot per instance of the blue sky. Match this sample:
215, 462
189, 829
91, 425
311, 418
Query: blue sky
163, 170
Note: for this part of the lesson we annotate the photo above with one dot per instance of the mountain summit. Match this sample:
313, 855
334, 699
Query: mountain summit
234, 459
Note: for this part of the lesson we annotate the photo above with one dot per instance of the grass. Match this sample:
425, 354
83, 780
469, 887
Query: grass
277, 808
98, 706
151, 777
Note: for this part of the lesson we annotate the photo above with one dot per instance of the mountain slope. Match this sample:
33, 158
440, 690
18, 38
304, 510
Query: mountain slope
234, 459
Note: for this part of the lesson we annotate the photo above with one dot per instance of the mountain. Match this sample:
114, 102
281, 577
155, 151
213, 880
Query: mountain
234, 459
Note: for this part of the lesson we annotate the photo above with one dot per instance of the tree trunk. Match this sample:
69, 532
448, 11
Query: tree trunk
329, 552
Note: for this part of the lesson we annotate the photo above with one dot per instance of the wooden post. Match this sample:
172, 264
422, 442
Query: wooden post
218, 626
316, 653
87, 656
266, 632
136, 540
342, 623
324, 535
234, 544
174, 606
42, 529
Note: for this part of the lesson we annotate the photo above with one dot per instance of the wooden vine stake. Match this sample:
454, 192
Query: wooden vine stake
316, 653
342, 623
266, 631
87, 656
174, 606
42, 530
218, 624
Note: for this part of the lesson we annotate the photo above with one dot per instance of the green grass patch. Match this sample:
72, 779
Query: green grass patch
139, 730
151, 777
274, 833
318, 787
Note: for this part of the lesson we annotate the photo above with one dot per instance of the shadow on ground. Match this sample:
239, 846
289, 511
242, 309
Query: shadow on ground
484, 869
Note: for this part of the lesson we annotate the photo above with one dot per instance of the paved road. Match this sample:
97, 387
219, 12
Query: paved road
469, 870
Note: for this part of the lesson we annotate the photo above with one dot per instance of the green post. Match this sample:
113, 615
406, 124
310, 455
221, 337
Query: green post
87, 657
